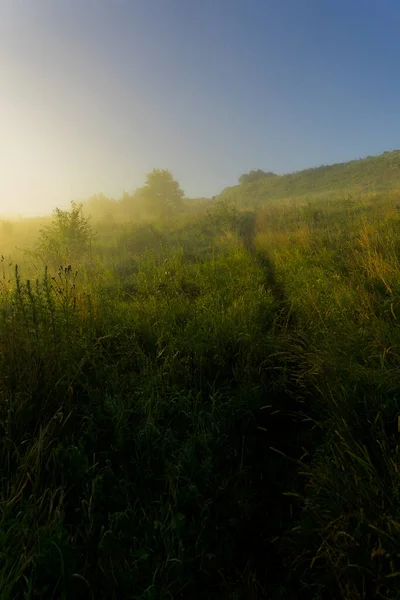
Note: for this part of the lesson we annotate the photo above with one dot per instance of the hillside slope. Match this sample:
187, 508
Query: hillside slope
373, 173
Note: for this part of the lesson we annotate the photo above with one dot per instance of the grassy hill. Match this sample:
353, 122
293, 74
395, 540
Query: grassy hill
204, 405
374, 173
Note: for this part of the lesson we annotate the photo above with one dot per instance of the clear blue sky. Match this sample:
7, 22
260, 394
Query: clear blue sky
95, 93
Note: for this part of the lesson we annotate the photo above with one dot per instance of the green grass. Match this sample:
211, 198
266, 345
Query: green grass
371, 174
206, 408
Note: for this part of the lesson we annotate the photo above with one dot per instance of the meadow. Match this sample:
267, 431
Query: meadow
201, 400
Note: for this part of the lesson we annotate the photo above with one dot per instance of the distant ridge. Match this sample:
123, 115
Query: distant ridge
373, 173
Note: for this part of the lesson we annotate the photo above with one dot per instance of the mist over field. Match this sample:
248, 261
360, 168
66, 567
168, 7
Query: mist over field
199, 300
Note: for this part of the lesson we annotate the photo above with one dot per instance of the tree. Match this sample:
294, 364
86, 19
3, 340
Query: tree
68, 238
161, 196
255, 175
163, 191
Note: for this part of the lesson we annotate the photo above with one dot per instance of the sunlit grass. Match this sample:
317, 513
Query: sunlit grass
204, 406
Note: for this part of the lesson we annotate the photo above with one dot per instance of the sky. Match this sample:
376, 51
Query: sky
96, 93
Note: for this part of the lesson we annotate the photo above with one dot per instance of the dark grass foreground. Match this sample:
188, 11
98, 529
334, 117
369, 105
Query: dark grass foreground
210, 423
131, 460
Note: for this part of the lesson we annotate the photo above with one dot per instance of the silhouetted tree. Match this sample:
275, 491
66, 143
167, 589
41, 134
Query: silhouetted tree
160, 196
163, 189
255, 175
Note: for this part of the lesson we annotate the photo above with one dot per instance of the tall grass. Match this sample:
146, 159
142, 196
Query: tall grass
206, 409
124, 455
